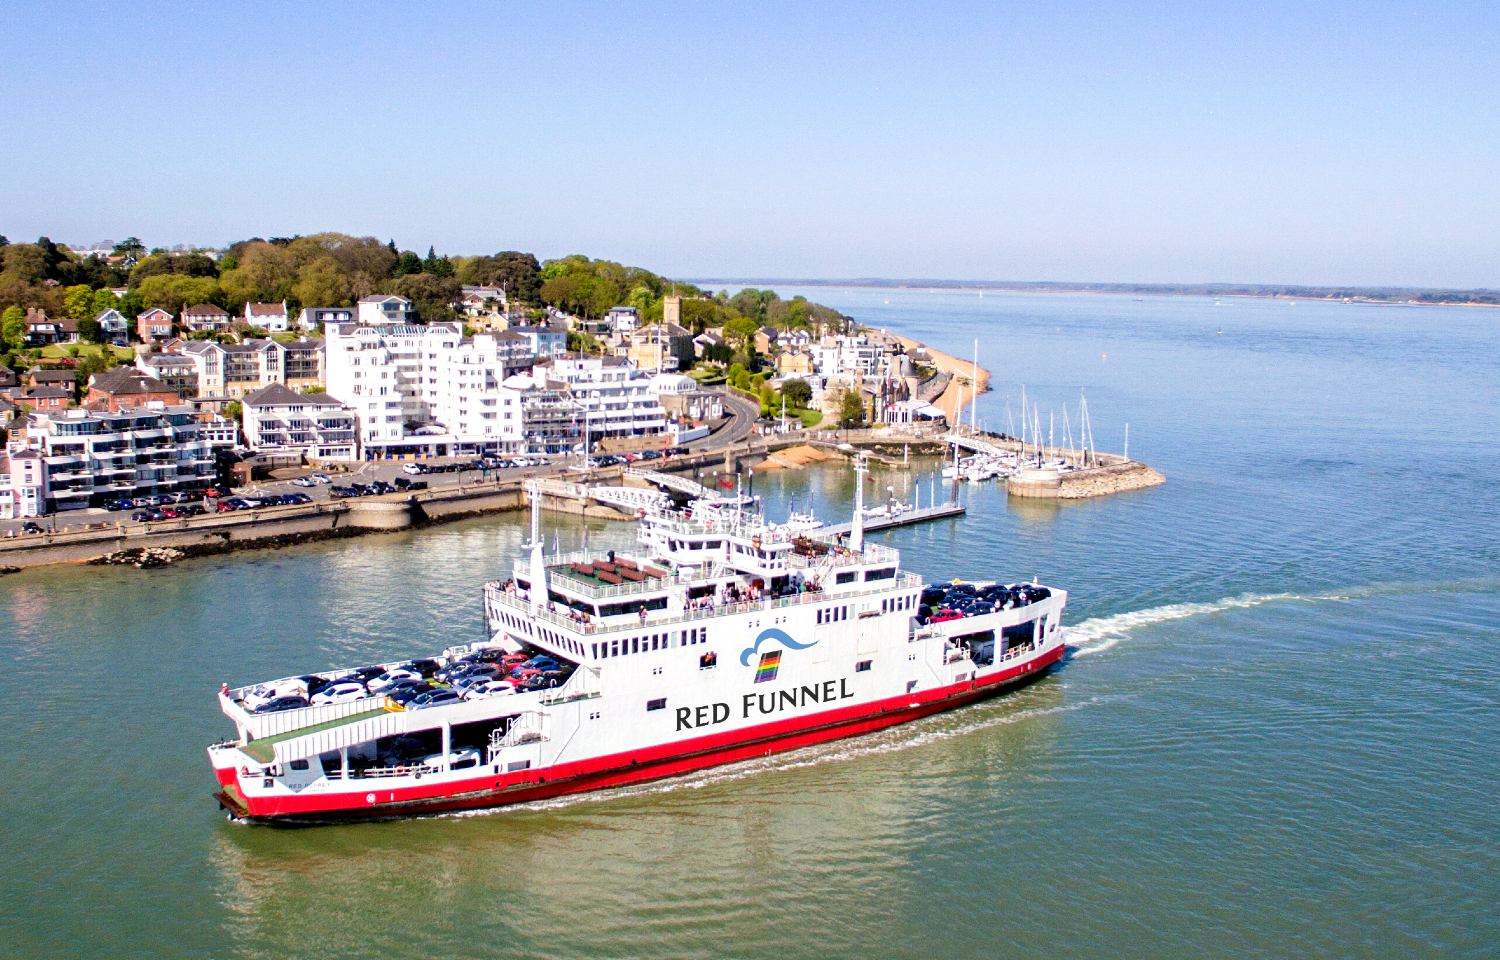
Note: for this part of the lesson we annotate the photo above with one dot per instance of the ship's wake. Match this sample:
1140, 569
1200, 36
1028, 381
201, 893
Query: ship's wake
1099, 634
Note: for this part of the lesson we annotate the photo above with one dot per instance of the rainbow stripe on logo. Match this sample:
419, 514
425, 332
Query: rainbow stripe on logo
768, 664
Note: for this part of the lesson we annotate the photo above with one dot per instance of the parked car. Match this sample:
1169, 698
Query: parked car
676, 451
340, 691
417, 485
321, 478
391, 677
413, 469
489, 688
282, 703
407, 691
31, 526
304, 482
226, 506
339, 493
434, 698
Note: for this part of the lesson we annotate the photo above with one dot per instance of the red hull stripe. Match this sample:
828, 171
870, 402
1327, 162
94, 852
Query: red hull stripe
648, 763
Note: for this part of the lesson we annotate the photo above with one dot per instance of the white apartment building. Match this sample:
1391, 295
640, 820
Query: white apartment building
311, 318
545, 340
317, 426
424, 391
383, 308
267, 316
236, 369
76, 458
849, 356
618, 398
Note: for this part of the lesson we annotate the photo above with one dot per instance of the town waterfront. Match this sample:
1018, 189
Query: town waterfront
1274, 737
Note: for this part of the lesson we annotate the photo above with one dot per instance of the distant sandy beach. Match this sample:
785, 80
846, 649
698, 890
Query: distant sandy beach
964, 373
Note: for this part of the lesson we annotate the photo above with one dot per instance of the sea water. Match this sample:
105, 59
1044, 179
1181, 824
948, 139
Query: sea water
1275, 735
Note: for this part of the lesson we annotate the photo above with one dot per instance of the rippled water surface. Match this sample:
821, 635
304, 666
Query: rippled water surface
1275, 736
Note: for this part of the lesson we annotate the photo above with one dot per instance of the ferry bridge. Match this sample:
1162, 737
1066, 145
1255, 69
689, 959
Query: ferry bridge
684, 485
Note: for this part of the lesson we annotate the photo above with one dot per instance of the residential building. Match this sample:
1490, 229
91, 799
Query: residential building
616, 397
704, 341
70, 459
125, 387
23, 485
7, 412
661, 346
546, 340
44, 377
178, 371
384, 309
316, 426
848, 355
794, 338
41, 330
795, 362
208, 317
765, 339
681, 396
483, 301
233, 370
46, 398
7, 377
154, 324
622, 320
267, 316
112, 324
312, 319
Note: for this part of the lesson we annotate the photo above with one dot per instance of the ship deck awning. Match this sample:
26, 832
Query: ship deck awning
264, 750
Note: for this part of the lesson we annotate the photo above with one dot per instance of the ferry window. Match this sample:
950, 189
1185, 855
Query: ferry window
843, 613
884, 573
635, 644
820, 616
846, 577
595, 648
656, 704
697, 544
862, 666
515, 765
299, 764
708, 661
614, 648
715, 544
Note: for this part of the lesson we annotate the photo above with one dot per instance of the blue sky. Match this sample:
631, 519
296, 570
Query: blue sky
1295, 143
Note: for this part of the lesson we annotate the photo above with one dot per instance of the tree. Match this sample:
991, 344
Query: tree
234, 411
172, 291
432, 297
130, 248
322, 283
519, 273
13, 327
798, 393
89, 329
132, 305
851, 409
103, 300
176, 264
742, 331
79, 301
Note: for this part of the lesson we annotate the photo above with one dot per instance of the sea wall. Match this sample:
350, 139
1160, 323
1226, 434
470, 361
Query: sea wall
1089, 482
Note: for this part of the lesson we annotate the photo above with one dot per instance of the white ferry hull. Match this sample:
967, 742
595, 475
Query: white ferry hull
411, 796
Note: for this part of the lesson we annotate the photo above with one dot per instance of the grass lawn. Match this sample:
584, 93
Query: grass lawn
810, 418
58, 351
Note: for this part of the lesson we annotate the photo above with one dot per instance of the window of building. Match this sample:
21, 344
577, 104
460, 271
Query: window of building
660, 704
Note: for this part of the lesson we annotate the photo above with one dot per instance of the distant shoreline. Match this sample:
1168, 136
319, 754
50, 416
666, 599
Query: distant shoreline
1390, 296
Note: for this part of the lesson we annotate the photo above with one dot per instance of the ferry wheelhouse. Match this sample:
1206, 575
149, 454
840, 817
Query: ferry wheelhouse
722, 638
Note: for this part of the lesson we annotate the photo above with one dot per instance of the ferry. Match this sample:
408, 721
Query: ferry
722, 638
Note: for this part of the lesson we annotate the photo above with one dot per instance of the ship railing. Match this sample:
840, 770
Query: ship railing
495, 594
585, 683
263, 725
528, 727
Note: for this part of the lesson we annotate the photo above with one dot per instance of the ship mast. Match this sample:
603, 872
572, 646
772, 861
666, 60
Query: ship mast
538, 594
857, 530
